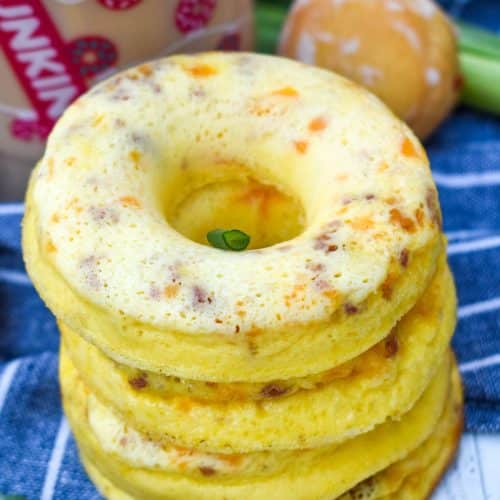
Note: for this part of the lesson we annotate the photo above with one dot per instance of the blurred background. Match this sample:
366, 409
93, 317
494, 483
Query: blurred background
408, 52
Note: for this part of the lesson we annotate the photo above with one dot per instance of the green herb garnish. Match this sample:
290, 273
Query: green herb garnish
12, 497
232, 239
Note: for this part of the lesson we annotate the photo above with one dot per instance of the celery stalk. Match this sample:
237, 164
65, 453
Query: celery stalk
479, 55
481, 81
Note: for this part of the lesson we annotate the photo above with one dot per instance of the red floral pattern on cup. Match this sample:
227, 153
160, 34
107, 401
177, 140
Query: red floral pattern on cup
25, 130
192, 15
92, 55
119, 4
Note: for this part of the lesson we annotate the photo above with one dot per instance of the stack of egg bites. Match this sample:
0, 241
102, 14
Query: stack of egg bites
315, 365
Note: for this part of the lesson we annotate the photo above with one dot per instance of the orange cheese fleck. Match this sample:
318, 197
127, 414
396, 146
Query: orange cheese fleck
145, 69
332, 295
408, 149
396, 217
231, 459
202, 71
135, 156
301, 146
130, 201
362, 223
286, 92
50, 247
382, 167
317, 124
170, 291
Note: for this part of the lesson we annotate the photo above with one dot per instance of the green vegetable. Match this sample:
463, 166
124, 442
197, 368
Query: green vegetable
232, 239
479, 54
12, 497
269, 19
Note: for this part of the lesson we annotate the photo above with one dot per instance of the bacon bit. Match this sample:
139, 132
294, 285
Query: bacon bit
333, 225
206, 471
350, 309
405, 222
301, 146
419, 215
202, 71
322, 285
273, 390
50, 247
408, 149
316, 267
370, 197
171, 291
237, 329
391, 346
386, 287
130, 201
218, 321
104, 214
154, 292
317, 124
404, 256
138, 382
286, 92
200, 296
433, 206
89, 266
362, 223
145, 69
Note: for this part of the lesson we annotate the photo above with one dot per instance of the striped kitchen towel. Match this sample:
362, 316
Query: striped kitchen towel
37, 455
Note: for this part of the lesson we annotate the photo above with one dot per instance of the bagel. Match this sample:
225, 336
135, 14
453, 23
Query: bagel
100, 238
404, 51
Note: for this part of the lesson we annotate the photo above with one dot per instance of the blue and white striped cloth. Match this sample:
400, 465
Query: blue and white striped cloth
38, 458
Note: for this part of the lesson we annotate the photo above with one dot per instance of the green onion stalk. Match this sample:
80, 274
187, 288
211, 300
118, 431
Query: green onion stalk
478, 52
